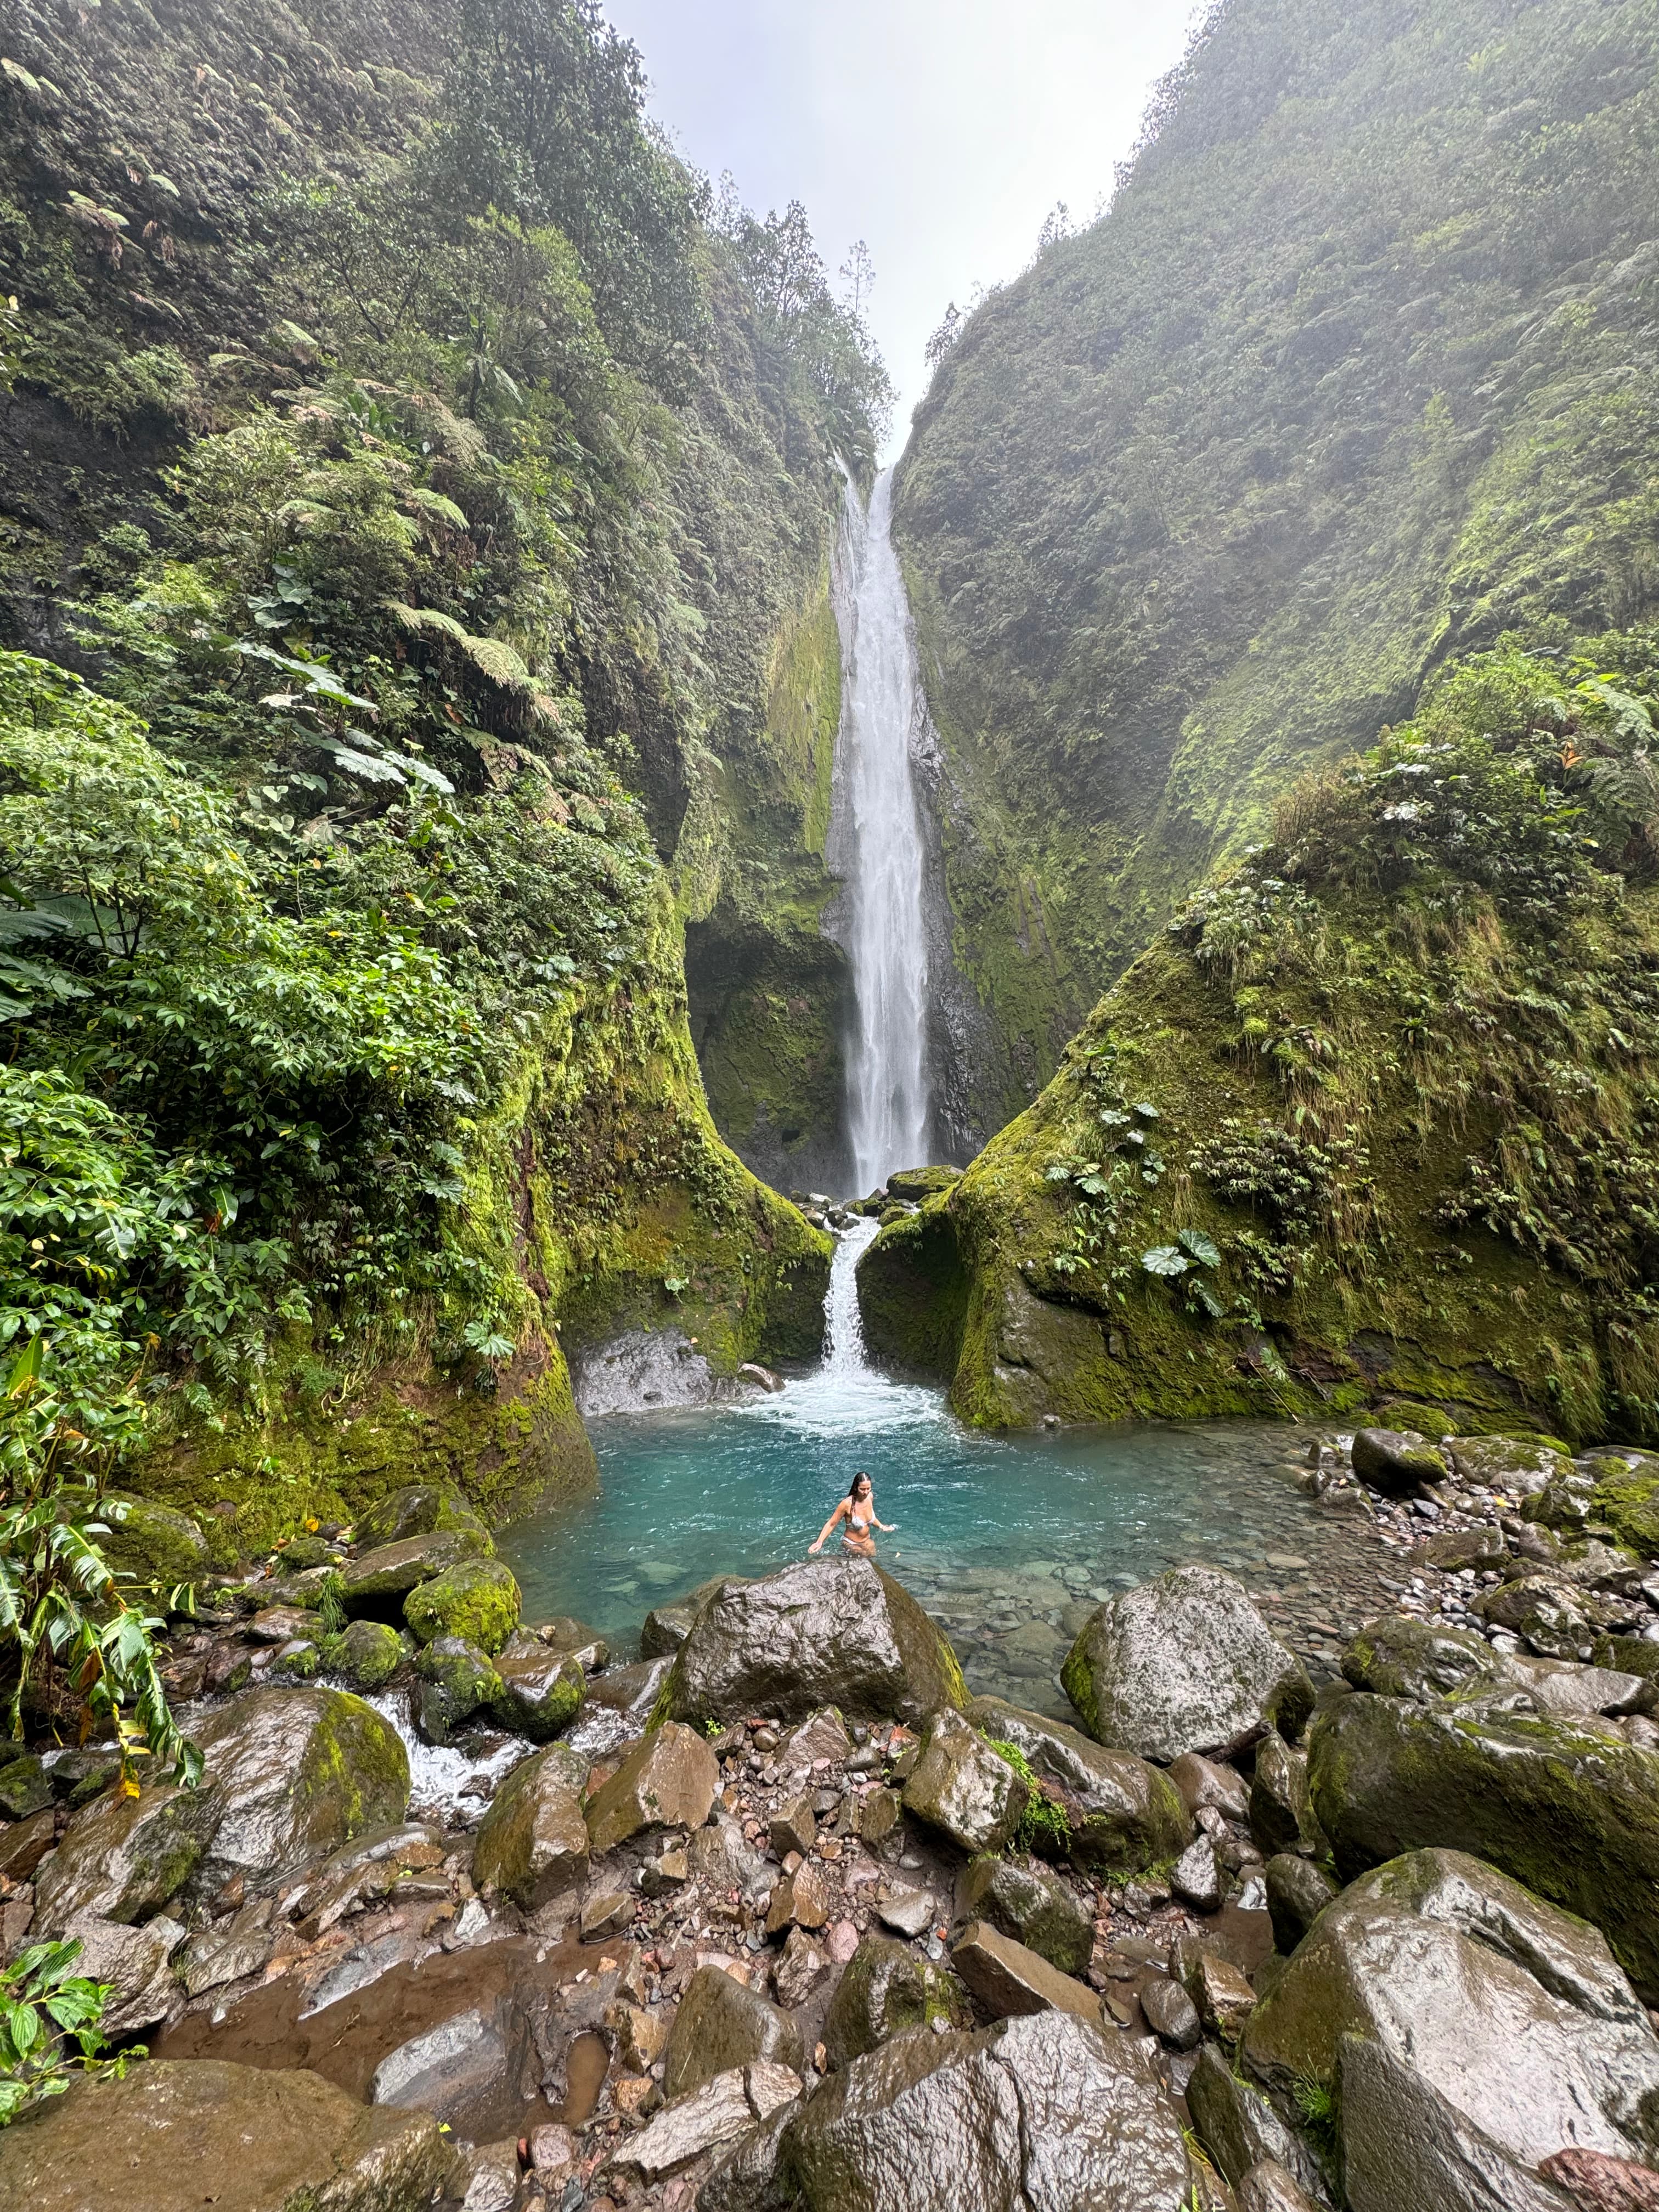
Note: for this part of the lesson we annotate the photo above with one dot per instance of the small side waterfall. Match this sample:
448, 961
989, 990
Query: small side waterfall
888, 1101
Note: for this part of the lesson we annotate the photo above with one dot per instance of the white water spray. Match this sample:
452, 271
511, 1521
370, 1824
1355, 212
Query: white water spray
887, 1086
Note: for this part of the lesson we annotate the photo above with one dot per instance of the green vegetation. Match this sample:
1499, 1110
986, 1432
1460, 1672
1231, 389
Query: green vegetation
1375, 1118
1045, 1826
43, 2007
1354, 376
417, 527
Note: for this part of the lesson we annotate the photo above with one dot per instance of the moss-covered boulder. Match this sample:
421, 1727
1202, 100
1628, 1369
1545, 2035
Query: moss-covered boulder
154, 1543
457, 1679
1568, 1808
832, 1631
1122, 1813
914, 1184
885, 1988
540, 1690
1184, 1662
417, 1510
1398, 1462
376, 1582
1627, 1501
477, 1600
532, 1842
368, 1654
1399, 1657
1518, 1465
1020, 1897
124, 1858
720, 2024
1513, 2011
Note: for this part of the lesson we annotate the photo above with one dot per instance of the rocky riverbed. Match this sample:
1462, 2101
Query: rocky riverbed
1314, 1901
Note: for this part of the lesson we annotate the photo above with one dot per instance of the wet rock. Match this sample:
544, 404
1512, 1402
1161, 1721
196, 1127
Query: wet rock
1558, 1685
908, 1911
1195, 1877
137, 1963
666, 1627
1596, 2182
1512, 2012
267, 2138
1006, 1978
605, 1911
1047, 2111
124, 1858
154, 1545
824, 1631
376, 1582
26, 1843
1399, 1657
961, 1787
800, 1968
617, 1706
1297, 1892
1567, 1807
877, 1815
800, 1897
584, 1644
667, 1781
824, 1736
25, 1787
1125, 1814
1203, 1782
794, 1828
1171, 2012
369, 1654
1223, 1994
1239, 2127
1020, 1897
884, 1989
478, 1599
460, 2069
1398, 1462
719, 1854
1281, 1811
214, 1956
554, 2157
722, 2112
745, 2178
541, 1690
457, 1681
1511, 1464
420, 1509
1405, 2145
1183, 1663
533, 1841
488, 2177
1269, 2188
1546, 1613
721, 2025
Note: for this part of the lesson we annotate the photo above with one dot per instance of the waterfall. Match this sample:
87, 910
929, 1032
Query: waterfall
887, 1086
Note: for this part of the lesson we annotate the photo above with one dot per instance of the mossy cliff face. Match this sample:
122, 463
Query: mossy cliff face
1374, 1118
1351, 378
600, 1189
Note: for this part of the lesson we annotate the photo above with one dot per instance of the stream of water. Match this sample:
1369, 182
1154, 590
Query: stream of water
887, 1083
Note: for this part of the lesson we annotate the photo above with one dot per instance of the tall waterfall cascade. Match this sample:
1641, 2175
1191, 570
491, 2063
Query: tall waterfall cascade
888, 1093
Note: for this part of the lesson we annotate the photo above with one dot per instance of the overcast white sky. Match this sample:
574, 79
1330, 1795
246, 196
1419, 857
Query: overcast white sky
940, 131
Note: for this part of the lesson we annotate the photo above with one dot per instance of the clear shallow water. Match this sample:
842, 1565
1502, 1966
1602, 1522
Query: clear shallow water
1009, 1542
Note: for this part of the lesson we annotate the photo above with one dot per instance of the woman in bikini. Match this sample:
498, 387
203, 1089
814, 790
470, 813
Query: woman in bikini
858, 1509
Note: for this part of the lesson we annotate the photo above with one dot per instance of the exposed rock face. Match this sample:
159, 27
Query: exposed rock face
1406, 2144
289, 1775
884, 1990
1513, 2014
1047, 2114
1568, 1808
722, 2112
1125, 1814
668, 1781
533, 1841
825, 1632
1183, 1663
1397, 1461
258, 2140
1021, 1897
962, 1788
721, 2025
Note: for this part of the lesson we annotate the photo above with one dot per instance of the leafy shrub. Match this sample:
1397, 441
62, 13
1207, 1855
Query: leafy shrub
44, 2006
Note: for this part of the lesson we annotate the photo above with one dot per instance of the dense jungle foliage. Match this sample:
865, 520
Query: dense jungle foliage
1375, 1118
1356, 373
408, 470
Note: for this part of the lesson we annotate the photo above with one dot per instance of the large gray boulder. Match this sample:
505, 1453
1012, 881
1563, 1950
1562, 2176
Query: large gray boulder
241, 2138
1021, 1897
1569, 1807
376, 1582
1406, 2146
1398, 1462
886, 1988
287, 1776
1514, 2014
1125, 1814
1184, 1663
965, 1789
1044, 2113
533, 1840
822, 1633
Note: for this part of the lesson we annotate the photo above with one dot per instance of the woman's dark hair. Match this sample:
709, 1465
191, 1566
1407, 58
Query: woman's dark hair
853, 1489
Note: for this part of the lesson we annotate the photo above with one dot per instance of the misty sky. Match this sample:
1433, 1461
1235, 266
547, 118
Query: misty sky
941, 131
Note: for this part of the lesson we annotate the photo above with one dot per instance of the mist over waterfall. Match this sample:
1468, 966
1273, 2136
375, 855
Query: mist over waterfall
888, 1096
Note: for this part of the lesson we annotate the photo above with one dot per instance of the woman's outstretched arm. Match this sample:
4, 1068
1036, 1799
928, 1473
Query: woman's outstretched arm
824, 1533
